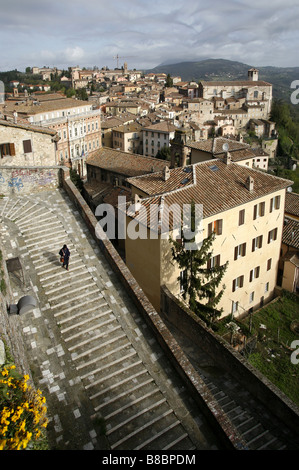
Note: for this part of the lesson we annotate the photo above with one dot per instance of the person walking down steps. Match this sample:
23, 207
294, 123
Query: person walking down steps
65, 256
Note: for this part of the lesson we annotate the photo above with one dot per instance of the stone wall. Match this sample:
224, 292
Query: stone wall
222, 353
10, 331
226, 431
27, 180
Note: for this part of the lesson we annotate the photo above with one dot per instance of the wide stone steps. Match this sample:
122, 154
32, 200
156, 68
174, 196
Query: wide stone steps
254, 433
121, 389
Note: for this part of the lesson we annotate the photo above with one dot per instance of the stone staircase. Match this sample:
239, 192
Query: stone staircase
120, 387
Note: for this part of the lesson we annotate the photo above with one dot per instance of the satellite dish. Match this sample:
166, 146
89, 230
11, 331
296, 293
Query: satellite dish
225, 147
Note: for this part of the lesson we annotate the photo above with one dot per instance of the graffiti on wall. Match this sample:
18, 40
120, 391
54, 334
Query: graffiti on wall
26, 179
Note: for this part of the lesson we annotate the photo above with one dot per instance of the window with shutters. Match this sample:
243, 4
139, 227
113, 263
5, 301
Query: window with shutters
269, 264
272, 235
240, 251
251, 297
242, 217
215, 227
274, 203
254, 274
7, 150
257, 243
238, 283
235, 306
27, 146
213, 262
258, 210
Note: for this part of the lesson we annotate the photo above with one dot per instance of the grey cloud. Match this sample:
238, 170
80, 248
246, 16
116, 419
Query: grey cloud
151, 31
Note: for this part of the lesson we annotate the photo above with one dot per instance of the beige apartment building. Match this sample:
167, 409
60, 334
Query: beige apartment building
244, 207
157, 136
128, 138
289, 261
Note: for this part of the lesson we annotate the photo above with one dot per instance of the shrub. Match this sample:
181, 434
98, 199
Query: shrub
22, 411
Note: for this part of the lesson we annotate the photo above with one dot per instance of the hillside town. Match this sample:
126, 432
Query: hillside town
140, 123
133, 141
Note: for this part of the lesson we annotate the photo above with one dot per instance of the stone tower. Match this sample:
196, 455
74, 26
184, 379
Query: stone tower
178, 150
253, 75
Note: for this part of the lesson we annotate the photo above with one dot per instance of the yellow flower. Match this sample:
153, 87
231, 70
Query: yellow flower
2, 444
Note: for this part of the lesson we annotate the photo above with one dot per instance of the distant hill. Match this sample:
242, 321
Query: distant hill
221, 69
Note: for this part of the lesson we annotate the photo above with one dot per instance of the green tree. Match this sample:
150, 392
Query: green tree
163, 153
169, 81
199, 279
81, 94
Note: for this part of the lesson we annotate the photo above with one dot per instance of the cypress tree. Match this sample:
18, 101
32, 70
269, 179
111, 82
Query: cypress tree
199, 280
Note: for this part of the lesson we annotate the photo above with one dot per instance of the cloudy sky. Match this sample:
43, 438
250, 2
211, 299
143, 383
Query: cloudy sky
146, 33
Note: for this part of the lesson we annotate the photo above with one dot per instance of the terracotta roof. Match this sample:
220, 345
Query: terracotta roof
155, 183
111, 122
290, 234
216, 185
215, 146
28, 127
163, 126
46, 106
238, 150
130, 127
292, 204
124, 163
113, 195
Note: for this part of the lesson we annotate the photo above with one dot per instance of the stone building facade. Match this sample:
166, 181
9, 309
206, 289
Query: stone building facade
23, 144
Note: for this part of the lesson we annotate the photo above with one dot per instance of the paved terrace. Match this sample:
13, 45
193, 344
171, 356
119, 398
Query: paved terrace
107, 382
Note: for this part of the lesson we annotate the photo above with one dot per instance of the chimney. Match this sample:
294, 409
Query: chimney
166, 173
15, 117
249, 183
137, 203
227, 158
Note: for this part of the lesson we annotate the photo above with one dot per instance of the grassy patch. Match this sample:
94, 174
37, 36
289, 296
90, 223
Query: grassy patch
269, 330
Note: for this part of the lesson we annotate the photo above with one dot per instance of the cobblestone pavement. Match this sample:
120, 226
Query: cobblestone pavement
107, 383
